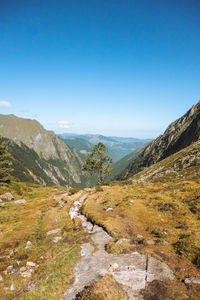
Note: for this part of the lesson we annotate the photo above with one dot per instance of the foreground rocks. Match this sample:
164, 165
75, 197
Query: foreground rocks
132, 271
7, 197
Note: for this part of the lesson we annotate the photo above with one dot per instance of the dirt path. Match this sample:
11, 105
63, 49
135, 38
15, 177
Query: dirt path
133, 271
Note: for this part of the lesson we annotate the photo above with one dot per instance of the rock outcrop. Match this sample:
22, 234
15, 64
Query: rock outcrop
180, 134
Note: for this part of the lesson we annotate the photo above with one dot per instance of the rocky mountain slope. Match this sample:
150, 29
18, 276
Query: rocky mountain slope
180, 134
39, 155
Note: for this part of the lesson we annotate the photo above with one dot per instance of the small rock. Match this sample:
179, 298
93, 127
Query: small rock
27, 273
5, 288
41, 257
151, 242
109, 209
139, 236
119, 242
11, 253
1, 278
2, 204
12, 287
30, 264
56, 239
53, 231
131, 201
7, 196
28, 245
113, 267
18, 262
195, 280
9, 269
22, 269
21, 201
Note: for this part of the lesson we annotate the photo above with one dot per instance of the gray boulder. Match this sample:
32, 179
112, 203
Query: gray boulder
7, 197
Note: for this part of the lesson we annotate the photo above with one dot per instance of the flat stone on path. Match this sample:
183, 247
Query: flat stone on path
57, 239
21, 201
53, 231
195, 280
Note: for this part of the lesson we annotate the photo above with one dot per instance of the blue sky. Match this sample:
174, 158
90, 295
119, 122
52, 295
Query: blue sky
125, 68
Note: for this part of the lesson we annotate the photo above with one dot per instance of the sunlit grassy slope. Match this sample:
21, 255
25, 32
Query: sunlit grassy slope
30, 222
159, 211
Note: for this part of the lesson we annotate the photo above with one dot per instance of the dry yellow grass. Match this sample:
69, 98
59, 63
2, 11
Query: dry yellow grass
165, 212
30, 222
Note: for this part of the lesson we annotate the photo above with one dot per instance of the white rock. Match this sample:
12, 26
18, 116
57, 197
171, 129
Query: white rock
56, 239
53, 231
10, 269
151, 242
109, 209
22, 269
195, 280
28, 245
30, 264
21, 201
12, 287
27, 273
2, 204
119, 242
7, 196
1, 278
113, 267
139, 236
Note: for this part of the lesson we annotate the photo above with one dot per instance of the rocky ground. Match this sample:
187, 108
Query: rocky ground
132, 271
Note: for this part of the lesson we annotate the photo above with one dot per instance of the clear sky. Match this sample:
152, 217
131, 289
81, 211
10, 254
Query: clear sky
114, 67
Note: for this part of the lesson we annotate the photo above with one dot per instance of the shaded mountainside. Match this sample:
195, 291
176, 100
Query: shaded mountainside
118, 147
82, 145
121, 164
180, 134
39, 155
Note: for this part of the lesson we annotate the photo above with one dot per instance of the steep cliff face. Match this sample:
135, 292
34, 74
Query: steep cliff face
180, 134
39, 154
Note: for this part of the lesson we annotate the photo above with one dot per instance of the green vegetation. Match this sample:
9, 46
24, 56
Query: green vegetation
98, 162
5, 163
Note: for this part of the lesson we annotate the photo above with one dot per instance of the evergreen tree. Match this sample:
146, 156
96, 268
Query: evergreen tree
98, 162
5, 163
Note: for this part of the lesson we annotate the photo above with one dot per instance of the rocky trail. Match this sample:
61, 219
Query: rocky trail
132, 271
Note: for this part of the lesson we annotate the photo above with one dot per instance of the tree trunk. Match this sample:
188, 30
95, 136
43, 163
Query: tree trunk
100, 177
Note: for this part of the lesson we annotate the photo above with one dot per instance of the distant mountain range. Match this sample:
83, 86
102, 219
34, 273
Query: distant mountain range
180, 134
118, 147
39, 155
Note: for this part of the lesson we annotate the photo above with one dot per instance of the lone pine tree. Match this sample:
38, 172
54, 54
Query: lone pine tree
98, 162
5, 163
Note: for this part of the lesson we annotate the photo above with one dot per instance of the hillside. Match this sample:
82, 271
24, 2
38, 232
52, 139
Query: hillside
138, 237
156, 212
180, 134
39, 155
121, 164
118, 147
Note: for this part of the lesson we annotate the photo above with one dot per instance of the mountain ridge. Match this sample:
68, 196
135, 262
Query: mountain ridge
178, 135
61, 163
